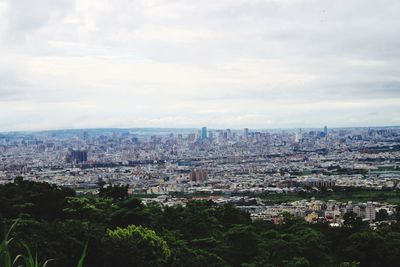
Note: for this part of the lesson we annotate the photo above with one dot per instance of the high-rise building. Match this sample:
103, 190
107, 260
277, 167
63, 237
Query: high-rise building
85, 136
198, 176
198, 135
76, 156
370, 212
220, 136
192, 137
246, 134
326, 130
228, 134
204, 133
210, 135
296, 138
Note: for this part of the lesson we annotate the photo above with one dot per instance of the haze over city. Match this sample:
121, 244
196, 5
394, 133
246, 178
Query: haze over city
224, 64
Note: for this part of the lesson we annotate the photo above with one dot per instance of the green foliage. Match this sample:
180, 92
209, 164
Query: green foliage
116, 192
84, 209
30, 199
229, 215
349, 264
30, 260
83, 256
366, 247
122, 231
6, 258
130, 211
135, 245
5, 255
351, 220
298, 262
243, 243
382, 215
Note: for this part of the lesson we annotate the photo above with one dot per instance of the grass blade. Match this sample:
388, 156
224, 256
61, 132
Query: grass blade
83, 256
46, 262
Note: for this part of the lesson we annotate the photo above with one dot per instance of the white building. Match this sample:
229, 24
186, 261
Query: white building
370, 211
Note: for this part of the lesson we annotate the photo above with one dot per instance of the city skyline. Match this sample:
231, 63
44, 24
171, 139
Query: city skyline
228, 64
188, 130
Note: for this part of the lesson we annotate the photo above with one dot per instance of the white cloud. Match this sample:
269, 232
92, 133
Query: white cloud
230, 63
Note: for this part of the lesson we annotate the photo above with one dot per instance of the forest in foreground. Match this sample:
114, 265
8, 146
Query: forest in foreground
114, 229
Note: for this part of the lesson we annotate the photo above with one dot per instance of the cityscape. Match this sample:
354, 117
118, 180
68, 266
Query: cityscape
243, 167
184, 133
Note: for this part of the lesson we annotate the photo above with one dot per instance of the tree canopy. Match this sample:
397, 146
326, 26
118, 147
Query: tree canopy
122, 231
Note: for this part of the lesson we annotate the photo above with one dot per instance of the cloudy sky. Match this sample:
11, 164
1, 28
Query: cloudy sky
189, 63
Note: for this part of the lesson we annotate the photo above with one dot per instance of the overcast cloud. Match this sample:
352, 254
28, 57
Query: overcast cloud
184, 63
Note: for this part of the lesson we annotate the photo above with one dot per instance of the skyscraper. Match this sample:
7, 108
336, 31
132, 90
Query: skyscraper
220, 136
298, 136
76, 156
204, 133
326, 130
228, 134
246, 134
210, 135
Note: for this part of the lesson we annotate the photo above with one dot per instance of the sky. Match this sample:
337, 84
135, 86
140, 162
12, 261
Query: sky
190, 63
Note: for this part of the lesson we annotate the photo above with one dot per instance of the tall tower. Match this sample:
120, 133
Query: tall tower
246, 134
210, 135
228, 134
204, 133
326, 130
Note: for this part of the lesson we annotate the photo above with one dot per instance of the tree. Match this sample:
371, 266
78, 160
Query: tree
349, 264
116, 192
398, 213
130, 211
308, 241
391, 249
199, 220
366, 247
351, 220
382, 215
230, 215
243, 244
78, 208
194, 255
32, 199
134, 246
298, 262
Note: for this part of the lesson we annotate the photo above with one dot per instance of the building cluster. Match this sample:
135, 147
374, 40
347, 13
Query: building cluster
206, 161
331, 211
311, 210
76, 156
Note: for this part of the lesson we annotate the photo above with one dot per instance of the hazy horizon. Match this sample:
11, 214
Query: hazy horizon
191, 129
259, 64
